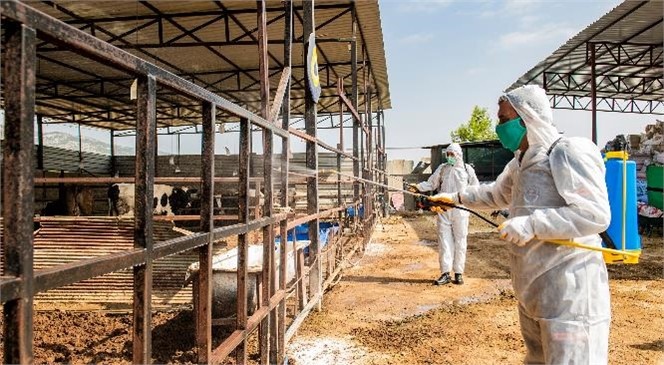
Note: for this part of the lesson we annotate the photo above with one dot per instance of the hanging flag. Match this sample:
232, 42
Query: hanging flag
312, 63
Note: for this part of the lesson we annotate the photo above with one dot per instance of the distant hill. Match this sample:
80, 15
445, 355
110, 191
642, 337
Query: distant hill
70, 142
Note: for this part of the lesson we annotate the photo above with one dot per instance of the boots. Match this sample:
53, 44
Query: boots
443, 279
458, 279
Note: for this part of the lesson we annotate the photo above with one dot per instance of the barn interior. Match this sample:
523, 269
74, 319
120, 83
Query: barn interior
270, 134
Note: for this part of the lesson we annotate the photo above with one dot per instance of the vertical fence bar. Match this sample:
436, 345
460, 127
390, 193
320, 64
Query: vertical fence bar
112, 143
363, 150
146, 109
18, 193
243, 245
340, 91
379, 159
310, 116
353, 99
285, 149
385, 177
268, 231
370, 159
204, 313
40, 142
383, 165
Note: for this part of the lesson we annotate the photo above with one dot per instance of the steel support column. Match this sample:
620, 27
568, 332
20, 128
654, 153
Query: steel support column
19, 77
143, 226
285, 150
593, 92
353, 98
204, 313
40, 142
310, 119
112, 143
268, 231
369, 207
243, 243
340, 147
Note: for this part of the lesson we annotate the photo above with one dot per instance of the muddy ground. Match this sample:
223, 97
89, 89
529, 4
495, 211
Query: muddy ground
385, 310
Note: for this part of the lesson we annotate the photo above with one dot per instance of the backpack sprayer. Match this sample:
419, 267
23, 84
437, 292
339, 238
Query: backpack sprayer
424, 202
604, 235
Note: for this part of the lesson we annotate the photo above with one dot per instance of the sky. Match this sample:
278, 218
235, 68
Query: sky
446, 56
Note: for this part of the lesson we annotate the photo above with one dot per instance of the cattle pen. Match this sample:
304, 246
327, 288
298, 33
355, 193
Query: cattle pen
294, 74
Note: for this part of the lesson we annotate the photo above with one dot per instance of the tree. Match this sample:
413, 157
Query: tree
479, 128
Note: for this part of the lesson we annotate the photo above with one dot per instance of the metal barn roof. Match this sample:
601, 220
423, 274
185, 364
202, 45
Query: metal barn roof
627, 47
213, 44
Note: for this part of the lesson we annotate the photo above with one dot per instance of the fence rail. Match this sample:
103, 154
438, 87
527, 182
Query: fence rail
20, 282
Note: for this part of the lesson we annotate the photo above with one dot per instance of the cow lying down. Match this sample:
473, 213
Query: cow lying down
168, 200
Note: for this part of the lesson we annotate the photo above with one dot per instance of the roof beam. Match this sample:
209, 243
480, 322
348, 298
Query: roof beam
570, 102
537, 75
194, 37
176, 69
192, 14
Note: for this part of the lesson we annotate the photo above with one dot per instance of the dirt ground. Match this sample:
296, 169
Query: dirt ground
385, 310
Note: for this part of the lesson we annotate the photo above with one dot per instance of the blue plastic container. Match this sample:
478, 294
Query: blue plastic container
302, 233
614, 185
350, 211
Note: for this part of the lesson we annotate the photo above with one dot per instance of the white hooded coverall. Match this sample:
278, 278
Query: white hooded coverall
452, 224
563, 292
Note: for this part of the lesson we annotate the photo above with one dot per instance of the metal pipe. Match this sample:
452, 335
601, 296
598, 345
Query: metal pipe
18, 61
203, 314
315, 274
146, 107
285, 151
593, 92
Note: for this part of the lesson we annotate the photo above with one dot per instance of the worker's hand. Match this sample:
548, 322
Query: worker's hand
518, 230
439, 209
413, 188
445, 198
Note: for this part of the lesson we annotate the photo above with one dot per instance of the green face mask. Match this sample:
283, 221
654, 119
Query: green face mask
451, 160
511, 133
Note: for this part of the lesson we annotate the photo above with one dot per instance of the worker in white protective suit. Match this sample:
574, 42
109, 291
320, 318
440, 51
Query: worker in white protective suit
452, 176
554, 188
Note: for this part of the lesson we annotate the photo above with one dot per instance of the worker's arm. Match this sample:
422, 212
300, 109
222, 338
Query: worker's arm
433, 182
496, 195
472, 177
578, 173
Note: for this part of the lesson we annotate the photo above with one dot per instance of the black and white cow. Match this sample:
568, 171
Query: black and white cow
168, 200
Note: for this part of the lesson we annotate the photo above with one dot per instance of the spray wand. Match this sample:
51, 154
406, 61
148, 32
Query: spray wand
429, 203
605, 237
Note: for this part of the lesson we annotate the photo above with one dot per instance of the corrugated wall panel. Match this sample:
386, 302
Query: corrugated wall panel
63, 241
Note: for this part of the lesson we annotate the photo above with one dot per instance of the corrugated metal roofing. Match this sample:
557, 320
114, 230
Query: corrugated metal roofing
634, 25
69, 87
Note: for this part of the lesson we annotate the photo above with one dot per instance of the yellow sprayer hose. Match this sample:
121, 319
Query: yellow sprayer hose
593, 248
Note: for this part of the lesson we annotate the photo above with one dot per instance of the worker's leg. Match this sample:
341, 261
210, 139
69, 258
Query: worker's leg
530, 330
445, 242
460, 233
572, 305
575, 342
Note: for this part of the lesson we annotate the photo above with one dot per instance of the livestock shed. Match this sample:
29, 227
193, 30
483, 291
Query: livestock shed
278, 81
613, 65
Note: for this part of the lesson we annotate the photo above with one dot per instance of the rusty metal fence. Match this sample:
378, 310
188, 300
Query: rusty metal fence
19, 283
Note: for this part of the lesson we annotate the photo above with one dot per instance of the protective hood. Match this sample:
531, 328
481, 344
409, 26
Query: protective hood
458, 152
532, 105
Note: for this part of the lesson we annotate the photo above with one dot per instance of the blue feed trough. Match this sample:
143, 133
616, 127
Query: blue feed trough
302, 233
